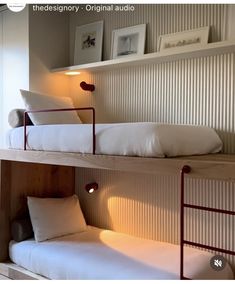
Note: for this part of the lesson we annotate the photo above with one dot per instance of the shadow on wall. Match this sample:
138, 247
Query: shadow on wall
229, 137
45, 82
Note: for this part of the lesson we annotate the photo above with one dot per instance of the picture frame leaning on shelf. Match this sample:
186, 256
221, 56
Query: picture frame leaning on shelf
88, 43
128, 41
184, 40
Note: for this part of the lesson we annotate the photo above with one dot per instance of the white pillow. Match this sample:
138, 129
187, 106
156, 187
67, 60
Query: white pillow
55, 217
34, 101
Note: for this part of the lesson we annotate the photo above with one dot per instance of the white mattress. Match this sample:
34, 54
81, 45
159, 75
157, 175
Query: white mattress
132, 139
103, 254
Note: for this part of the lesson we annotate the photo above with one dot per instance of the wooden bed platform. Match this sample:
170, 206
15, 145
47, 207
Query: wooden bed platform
17, 181
52, 174
215, 166
12, 271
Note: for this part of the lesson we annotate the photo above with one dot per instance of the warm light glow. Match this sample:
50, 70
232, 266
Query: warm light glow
72, 73
126, 250
91, 190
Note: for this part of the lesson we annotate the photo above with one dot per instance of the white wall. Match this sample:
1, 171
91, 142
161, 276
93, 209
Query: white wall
48, 48
15, 62
31, 44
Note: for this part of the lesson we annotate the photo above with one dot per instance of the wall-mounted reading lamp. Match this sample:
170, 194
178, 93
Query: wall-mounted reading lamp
91, 187
87, 87
83, 84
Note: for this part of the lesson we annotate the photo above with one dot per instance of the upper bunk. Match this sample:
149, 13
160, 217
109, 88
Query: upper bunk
131, 147
214, 166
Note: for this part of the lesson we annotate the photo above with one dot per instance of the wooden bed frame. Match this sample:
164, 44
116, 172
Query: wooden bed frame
15, 272
52, 174
214, 166
17, 181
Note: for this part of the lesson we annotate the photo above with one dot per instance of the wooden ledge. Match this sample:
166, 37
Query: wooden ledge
15, 272
186, 52
216, 166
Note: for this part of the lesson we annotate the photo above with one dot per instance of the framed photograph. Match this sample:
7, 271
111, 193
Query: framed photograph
128, 41
184, 39
88, 43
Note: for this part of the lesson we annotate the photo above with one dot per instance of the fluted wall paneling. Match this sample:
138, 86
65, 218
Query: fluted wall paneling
148, 206
192, 91
189, 91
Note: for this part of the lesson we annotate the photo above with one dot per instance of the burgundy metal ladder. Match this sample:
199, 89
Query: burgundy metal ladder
186, 170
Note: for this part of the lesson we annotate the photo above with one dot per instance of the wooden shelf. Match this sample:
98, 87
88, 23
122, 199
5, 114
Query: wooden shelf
157, 57
216, 166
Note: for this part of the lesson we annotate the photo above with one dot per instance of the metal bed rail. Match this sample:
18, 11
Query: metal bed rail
26, 119
186, 170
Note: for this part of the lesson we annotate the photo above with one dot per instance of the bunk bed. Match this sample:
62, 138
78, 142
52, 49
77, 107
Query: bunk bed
56, 169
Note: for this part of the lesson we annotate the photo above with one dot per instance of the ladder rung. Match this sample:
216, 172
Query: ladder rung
209, 247
209, 209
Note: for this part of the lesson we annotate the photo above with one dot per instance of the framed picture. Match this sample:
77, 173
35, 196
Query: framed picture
88, 43
128, 41
184, 39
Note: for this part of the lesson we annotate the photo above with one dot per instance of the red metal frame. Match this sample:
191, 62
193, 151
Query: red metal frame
185, 170
26, 116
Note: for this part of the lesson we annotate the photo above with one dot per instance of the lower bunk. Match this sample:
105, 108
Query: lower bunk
91, 253
103, 254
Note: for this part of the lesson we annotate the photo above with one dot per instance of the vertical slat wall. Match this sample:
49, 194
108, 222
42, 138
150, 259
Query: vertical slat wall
190, 91
148, 206
142, 205
210, 228
196, 91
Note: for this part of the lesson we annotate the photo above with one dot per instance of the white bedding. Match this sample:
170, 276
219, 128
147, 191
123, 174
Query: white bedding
131, 139
103, 254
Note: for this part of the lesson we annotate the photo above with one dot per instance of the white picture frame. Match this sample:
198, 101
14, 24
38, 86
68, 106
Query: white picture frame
88, 43
128, 41
185, 39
